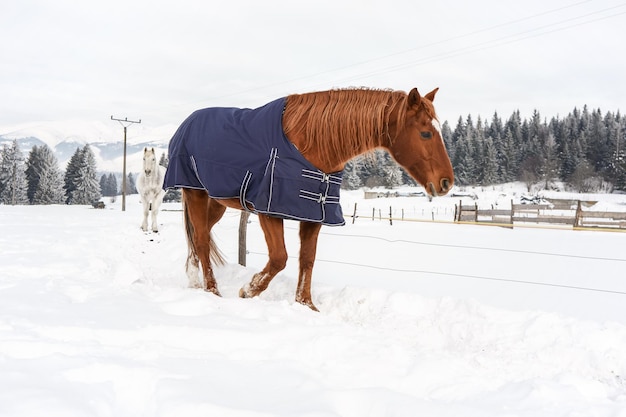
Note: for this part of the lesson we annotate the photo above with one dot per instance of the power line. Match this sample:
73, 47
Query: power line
445, 245
451, 274
516, 281
504, 40
494, 43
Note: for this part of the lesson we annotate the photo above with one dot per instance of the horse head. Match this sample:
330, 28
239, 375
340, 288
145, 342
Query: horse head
418, 145
149, 161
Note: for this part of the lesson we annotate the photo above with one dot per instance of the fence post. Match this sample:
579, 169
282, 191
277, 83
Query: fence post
390, 219
578, 220
354, 214
243, 229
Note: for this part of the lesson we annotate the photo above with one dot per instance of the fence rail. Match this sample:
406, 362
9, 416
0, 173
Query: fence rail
563, 214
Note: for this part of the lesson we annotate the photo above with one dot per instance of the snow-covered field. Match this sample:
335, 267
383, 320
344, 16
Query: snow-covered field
417, 319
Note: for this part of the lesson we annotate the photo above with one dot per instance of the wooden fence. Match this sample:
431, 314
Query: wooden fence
567, 212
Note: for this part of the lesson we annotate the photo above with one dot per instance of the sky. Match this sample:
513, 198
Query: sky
70, 60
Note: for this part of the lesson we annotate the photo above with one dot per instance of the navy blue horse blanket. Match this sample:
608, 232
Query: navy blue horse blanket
244, 154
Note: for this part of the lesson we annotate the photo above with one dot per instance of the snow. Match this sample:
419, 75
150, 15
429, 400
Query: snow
418, 318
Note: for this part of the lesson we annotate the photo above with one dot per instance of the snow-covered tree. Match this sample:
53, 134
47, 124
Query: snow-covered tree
108, 185
80, 178
71, 174
13, 185
351, 178
45, 181
131, 187
490, 163
164, 161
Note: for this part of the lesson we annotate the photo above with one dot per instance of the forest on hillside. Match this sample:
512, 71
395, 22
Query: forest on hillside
584, 150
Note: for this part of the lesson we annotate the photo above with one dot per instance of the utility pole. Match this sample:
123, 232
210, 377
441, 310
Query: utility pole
125, 123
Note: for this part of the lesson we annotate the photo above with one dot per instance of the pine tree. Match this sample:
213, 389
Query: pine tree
164, 161
463, 163
490, 163
85, 186
508, 158
131, 187
112, 185
33, 172
49, 188
351, 178
45, 183
104, 188
108, 185
446, 134
13, 184
71, 174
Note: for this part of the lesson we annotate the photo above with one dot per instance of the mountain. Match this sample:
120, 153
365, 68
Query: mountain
106, 141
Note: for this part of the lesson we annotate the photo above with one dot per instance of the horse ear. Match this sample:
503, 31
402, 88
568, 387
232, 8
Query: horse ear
414, 98
431, 96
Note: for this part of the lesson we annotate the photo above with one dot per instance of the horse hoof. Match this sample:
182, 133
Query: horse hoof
214, 291
246, 292
309, 304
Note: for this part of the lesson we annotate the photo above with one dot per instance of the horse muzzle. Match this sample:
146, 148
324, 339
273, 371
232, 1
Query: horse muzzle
444, 186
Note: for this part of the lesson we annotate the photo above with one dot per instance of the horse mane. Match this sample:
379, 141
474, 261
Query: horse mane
343, 123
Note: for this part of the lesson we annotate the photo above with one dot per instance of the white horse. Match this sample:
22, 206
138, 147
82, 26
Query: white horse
150, 187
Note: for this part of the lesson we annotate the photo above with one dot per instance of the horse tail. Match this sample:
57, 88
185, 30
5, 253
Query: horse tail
215, 254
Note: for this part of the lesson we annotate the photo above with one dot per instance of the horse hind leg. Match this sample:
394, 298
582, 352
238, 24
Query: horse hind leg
200, 215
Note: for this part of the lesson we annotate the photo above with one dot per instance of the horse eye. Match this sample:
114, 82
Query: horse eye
426, 135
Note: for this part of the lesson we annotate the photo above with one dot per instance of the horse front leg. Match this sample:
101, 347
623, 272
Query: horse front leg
308, 249
154, 208
275, 239
146, 209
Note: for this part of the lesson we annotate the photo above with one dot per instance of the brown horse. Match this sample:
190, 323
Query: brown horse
328, 128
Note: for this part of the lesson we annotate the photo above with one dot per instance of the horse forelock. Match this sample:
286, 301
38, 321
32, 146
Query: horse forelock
149, 164
342, 123
429, 109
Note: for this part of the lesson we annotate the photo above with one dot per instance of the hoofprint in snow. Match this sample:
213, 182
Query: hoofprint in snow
416, 319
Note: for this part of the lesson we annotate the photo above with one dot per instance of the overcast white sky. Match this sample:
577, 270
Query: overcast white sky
160, 60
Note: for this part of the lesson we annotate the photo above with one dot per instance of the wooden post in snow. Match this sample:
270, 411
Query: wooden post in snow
243, 229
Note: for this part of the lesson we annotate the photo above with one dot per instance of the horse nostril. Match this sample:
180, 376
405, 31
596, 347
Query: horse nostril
445, 184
